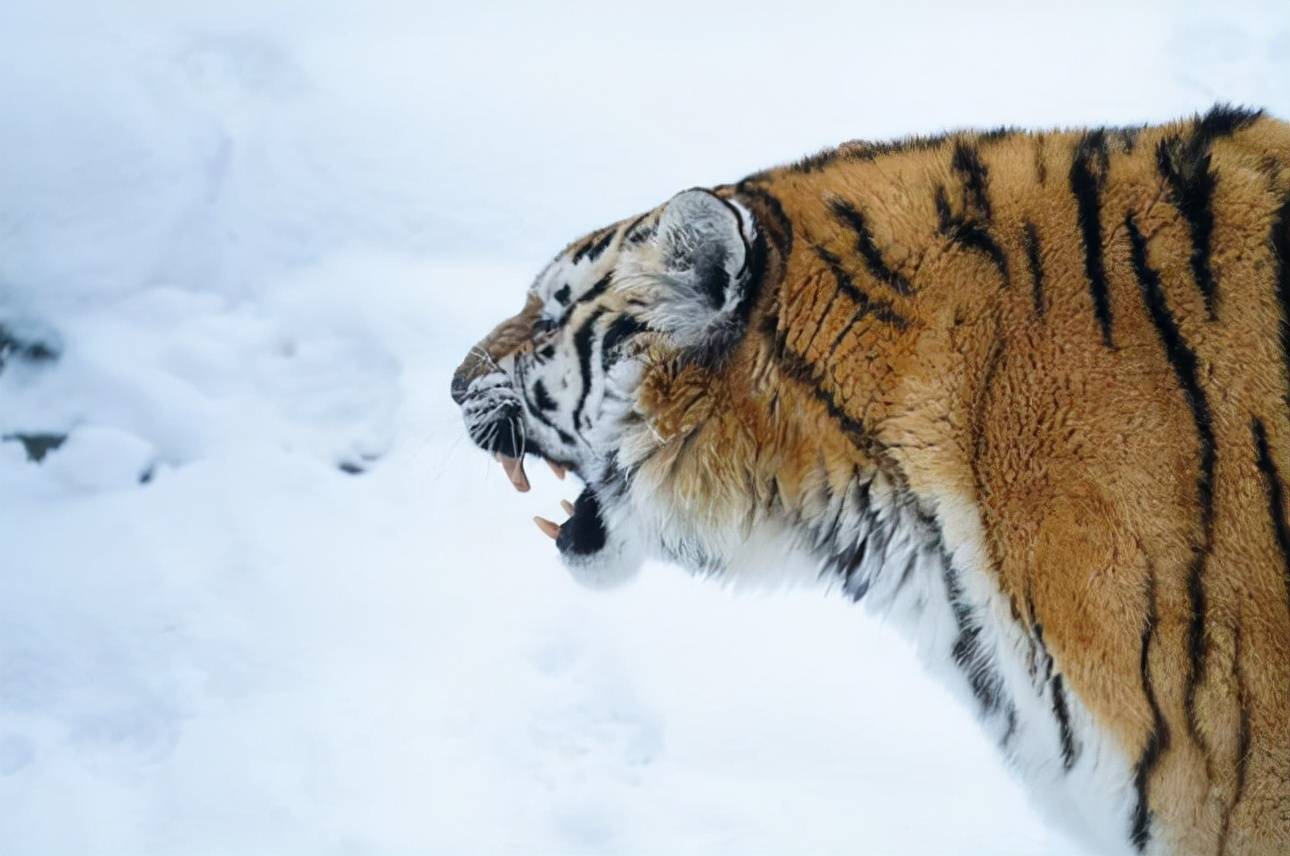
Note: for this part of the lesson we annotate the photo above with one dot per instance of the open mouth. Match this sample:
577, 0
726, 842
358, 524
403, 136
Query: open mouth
495, 423
584, 530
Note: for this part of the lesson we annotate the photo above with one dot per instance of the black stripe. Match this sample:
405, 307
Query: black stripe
968, 654
1279, 239
796, 367
851, 558
1190, 180
539, 402
1070, 749
582, 251
630, 236
865, 305
1275, 490
1186, 369
565, 437
582, 344
1062, 713
773, 230
542, 398
780, 227
618, 332
1039, 640
754, 277
881, 309
594, 247
819, 322
1158, 738
596, 290
867, 249
1187, 172
561, 294
1088, 170
1036, 266
966, 161
1223, 120
969, 233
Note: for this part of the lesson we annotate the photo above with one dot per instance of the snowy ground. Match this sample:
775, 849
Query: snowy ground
241, 250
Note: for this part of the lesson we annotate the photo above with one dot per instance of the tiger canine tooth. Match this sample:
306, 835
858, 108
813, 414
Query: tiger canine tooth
549, 528
557, 469
514, 469
518, 477
567, 506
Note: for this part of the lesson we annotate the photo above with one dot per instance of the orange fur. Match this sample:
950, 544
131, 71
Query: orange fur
1075, 444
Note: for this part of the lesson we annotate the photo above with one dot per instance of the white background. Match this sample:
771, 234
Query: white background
263, 234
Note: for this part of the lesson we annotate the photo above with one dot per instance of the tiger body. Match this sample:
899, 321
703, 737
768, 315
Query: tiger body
1024, 393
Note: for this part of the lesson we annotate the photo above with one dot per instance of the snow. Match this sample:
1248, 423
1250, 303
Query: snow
256, 238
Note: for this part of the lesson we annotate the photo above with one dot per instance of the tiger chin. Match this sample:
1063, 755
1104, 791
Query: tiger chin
1023, 394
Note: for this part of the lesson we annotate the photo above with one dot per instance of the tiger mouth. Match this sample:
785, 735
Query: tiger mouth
506, 437
583, 532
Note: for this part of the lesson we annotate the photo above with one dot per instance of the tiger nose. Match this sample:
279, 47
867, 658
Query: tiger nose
459, 387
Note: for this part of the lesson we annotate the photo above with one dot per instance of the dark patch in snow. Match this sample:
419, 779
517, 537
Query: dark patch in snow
351, 467
15, 343
37, 445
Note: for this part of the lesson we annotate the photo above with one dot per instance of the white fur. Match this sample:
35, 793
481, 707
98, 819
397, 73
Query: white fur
1093, 800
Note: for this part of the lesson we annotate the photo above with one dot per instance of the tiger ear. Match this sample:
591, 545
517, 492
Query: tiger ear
705, 245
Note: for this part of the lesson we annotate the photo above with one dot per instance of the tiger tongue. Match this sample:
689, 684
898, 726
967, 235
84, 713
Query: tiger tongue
514, 469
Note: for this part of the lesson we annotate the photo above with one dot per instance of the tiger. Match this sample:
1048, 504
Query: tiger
1024, 394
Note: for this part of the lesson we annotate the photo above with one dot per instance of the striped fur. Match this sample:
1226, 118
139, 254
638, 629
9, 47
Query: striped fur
1027, 394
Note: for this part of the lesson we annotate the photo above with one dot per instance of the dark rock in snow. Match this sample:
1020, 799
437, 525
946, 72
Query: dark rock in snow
36, 445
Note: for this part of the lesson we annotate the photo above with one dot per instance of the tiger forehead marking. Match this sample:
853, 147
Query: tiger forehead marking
1024, 394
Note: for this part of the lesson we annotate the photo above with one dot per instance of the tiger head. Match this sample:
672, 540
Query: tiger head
631, 365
